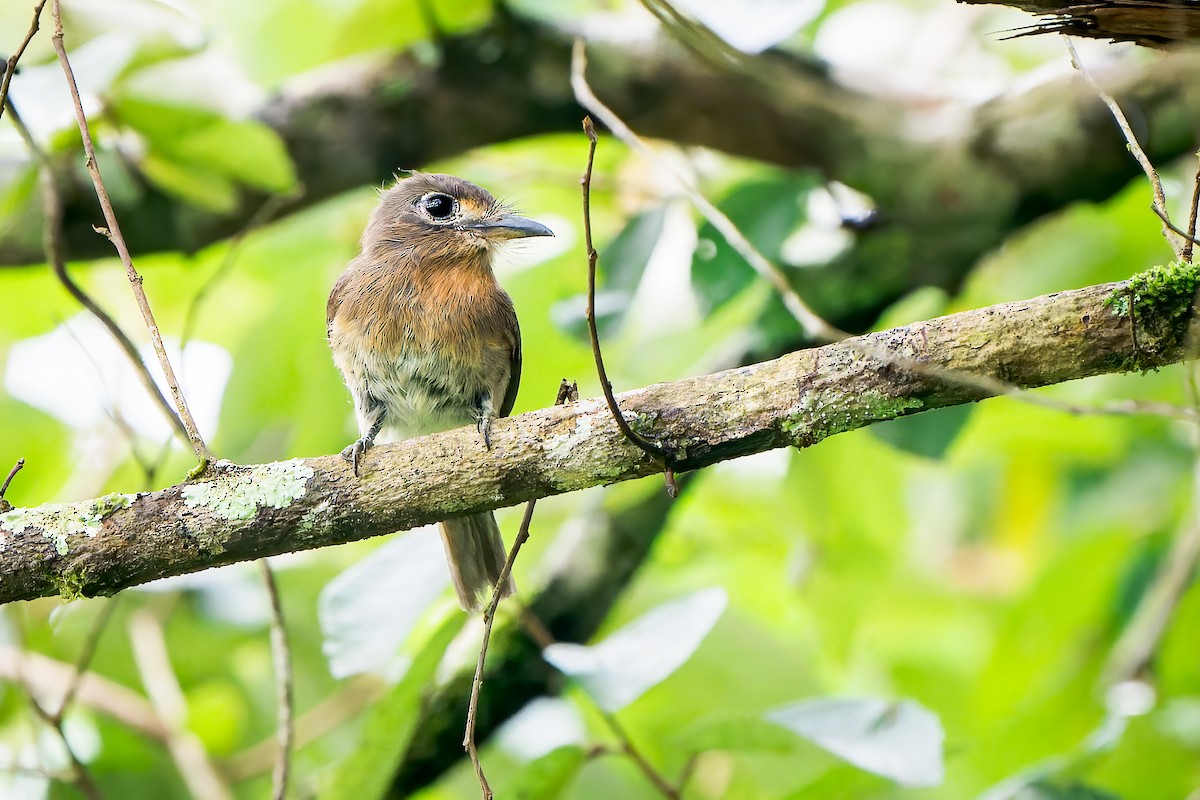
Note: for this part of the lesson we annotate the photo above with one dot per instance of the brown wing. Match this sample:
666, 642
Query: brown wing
335, 299
514, 375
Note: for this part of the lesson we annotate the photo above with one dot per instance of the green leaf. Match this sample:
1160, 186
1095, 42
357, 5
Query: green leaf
1044, 790
642, 654
248, 151
620, 268
736, 732
928, 434
367, 772
901, 741
200, 188
549, 776
368, 611
766, 212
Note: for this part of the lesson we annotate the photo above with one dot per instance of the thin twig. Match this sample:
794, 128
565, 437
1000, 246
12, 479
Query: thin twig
52, 209
1193, 210
568, 392
664, 786
1135, 648
10, 67
1189, 239
808, 320
260, 217
812, 324
660, 455
86, 653
81, 777
282, 656
1131, 141
47, 677
335, 710
203, 455
154, 665
12, 473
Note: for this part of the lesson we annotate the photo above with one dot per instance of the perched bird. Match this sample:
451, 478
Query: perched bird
427, 340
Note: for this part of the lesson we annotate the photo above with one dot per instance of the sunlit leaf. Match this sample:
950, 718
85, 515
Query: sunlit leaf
735, 732
618, 670
901, 740
766, 212
549, 776
368, 611
367, 772
1045, 790
620, 268
927, 434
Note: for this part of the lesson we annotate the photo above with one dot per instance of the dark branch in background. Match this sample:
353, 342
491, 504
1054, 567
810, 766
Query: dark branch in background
10, 67
568, 392
1154, 24
351, 127
113, 234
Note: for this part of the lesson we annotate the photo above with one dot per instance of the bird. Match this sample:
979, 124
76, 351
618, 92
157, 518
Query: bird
427, 340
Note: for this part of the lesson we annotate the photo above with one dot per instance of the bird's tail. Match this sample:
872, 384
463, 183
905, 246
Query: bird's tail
475, 552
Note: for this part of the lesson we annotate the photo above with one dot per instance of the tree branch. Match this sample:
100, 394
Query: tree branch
105, 545
354, 125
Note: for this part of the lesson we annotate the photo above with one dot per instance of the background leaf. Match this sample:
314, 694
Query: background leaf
620, 668
901, 741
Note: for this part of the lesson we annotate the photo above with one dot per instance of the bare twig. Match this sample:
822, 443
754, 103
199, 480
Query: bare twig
339, 707
568, 392
812, 324
12, 473
47, 676
1188, 238
81, 777
203, 454
154, 666
1135, 148
10, 67
1134, 650
52, 247
660, 456
282, 656
86, 654
660, 782
1193, 209
260, 217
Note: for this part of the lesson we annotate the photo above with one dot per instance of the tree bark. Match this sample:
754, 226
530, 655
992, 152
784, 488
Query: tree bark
240, 513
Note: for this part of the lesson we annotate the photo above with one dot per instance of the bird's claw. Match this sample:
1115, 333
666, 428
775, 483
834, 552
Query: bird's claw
354, 452
485, 429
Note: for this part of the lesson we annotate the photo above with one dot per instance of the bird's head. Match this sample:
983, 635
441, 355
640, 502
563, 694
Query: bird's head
441, 216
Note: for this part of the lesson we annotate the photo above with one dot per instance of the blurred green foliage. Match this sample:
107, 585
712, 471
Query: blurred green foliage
980, 562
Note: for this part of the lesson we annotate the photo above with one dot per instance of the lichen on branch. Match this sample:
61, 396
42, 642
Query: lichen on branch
105, 545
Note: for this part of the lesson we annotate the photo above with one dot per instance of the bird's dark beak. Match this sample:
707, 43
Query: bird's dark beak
510, 226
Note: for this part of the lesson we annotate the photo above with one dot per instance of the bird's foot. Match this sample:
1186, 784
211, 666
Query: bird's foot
484, 424
354, 452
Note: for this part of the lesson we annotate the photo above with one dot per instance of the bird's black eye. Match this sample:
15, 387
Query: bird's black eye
438, 205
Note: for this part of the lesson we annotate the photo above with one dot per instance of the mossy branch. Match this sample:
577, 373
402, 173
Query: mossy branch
105, 545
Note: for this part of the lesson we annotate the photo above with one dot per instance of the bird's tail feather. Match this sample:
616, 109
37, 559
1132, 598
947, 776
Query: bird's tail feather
475, 552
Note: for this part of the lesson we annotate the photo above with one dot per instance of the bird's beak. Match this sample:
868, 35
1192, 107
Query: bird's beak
510, 226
